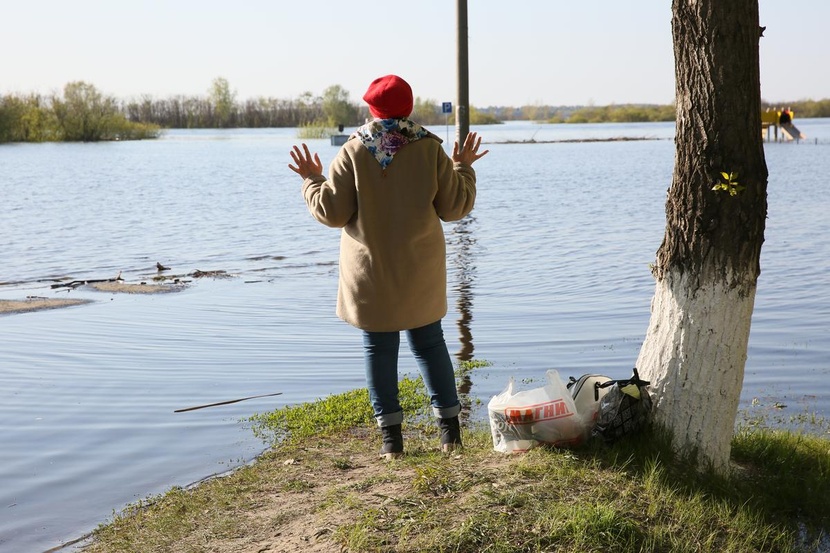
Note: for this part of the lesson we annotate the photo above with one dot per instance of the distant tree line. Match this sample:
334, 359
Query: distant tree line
82, 113
623, 113
221, 109
630, 113
803, 109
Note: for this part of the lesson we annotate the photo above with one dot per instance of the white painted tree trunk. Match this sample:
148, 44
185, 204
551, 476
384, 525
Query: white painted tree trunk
694, 355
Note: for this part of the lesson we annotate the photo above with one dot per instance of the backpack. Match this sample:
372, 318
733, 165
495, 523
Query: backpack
587, 391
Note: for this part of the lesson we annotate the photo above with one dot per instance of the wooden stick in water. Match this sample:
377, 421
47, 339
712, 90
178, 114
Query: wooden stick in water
225, 402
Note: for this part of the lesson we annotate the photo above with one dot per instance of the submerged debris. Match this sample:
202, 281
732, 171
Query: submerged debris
212, 274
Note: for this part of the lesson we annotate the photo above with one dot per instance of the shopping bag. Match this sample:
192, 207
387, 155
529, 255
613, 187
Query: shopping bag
522, 420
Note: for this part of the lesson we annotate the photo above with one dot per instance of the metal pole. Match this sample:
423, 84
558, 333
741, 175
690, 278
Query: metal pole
462, 111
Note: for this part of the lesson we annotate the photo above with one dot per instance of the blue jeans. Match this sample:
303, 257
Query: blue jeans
430, 350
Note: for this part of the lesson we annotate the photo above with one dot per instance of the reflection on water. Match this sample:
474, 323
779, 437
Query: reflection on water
464, 276
462, 242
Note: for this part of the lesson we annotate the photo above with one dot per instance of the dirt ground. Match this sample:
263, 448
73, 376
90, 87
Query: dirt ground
287, 521
317, 489
296, 498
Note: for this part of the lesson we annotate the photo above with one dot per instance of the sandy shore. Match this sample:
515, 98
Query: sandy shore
37, 303
141, 288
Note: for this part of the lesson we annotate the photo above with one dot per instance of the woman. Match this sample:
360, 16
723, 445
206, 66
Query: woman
388, 189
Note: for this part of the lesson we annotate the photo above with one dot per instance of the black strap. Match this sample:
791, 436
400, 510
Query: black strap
622, 383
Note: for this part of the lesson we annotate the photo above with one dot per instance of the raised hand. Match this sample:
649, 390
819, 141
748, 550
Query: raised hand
307, 165
469, 152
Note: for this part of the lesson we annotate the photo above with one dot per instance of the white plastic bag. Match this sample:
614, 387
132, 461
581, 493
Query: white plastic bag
522, 420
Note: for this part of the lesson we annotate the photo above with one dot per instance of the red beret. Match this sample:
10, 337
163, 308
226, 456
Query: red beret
389, 97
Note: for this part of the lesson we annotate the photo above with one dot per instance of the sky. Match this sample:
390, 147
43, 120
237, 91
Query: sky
534, 52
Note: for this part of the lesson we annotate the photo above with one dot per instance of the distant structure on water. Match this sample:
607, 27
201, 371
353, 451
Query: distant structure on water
773, 120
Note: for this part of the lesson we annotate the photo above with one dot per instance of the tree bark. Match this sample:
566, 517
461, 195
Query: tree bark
708, 265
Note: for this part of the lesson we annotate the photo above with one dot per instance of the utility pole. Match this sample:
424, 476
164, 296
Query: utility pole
462, 110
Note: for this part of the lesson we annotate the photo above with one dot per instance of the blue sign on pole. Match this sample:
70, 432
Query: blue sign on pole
446, 107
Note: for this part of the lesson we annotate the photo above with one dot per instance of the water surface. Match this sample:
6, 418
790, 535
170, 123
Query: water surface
550, 271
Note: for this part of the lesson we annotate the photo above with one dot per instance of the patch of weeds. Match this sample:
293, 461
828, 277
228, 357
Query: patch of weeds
342, 463
371, 482
313, 130
297, 485
464, 368
434, 479
775, 415
508, 497
163, 522
341, 498
369, 533
280, 518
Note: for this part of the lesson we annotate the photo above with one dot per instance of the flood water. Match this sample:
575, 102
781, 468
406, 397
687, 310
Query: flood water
550, 271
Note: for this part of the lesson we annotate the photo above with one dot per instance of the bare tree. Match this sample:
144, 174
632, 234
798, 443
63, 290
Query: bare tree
708, 265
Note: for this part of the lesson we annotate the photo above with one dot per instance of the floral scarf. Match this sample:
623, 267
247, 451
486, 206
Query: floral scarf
384, 137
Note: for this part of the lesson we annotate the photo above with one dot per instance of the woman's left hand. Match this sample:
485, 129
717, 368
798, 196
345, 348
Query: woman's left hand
468, 154
307, 166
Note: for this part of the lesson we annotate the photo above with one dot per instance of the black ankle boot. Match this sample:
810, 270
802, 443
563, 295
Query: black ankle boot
450, 434
392, 442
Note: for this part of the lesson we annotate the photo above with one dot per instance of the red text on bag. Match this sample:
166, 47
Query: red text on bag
540, 412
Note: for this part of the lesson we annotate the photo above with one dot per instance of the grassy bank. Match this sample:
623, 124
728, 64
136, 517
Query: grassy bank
321, 488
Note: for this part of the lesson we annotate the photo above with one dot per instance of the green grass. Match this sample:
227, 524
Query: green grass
634, 495
631, 497
336, 413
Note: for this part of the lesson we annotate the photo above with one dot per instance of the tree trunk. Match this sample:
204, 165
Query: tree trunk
708, 264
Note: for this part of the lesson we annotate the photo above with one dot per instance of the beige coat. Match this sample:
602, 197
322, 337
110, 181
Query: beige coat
393, 270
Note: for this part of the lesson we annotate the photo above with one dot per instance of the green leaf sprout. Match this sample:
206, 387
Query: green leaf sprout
729, 184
